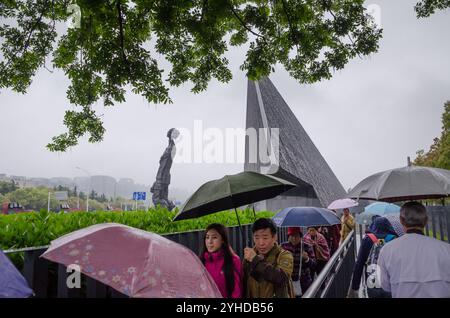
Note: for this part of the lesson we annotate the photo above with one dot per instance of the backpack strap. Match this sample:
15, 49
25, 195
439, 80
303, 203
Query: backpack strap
373, 237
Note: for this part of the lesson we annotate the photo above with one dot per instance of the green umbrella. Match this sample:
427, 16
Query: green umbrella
230, 192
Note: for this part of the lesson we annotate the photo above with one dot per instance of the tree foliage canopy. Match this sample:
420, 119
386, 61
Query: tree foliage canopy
438, 155
7, 186
115, 45
32, 198
425, 8
36, 198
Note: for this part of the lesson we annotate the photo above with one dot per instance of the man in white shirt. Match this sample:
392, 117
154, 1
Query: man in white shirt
415, 265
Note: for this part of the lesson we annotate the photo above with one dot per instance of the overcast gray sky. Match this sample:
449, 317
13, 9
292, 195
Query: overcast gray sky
369, 117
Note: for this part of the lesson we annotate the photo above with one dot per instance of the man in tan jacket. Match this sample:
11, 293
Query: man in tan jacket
348, 224
267, 267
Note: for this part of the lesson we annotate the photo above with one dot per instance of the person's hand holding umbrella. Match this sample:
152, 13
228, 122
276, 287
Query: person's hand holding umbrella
249, 254
314, 241
305, 257
312, 236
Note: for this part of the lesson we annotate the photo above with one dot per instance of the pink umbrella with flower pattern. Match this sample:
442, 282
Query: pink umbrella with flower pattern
134, 262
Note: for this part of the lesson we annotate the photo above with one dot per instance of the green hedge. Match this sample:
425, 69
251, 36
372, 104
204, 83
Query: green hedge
40, 228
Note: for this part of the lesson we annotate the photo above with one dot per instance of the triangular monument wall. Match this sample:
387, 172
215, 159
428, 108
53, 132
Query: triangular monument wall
298, 159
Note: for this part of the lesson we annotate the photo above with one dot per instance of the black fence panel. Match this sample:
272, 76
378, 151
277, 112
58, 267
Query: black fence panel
36, 271
95, 289
438, 222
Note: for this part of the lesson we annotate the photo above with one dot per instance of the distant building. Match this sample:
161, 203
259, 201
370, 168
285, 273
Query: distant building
104, 185
82, 184
20, 181
142, 188
99, 183
38, 182
179, 195
125, 188
62, 181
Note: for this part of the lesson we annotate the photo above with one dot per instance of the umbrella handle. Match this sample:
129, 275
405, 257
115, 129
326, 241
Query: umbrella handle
301, 261
240, 226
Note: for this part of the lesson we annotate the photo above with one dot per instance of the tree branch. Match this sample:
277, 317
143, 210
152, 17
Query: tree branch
27, 41
119, 11
290, 25
242, 21
203, 8
349, 37
30, 33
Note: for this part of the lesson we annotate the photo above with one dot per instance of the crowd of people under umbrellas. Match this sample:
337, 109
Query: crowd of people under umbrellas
395, 259
410, 264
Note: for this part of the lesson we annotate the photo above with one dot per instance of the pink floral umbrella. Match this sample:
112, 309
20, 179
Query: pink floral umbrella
134, 262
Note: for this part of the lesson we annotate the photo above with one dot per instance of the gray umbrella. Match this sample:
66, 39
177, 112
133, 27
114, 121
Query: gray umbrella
404, 184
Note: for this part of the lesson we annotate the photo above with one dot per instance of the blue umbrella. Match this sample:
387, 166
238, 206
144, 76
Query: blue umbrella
377, 208
305, 216
12, 283
382, 208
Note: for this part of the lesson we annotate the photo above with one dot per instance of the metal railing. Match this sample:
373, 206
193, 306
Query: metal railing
334, 279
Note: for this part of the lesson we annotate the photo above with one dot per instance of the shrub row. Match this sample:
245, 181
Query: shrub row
40, 228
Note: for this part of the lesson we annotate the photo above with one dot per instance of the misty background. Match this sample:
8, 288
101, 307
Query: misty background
369, 117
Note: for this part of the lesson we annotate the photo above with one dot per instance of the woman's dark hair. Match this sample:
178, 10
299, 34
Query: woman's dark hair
228, 264
264, 223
